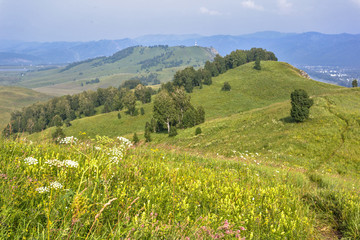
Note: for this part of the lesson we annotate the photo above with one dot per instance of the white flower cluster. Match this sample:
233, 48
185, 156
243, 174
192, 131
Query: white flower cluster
71, 163
42, 189
31, 161
54, 185
126, 142
97, 148
65, 163
69, 140
115, 154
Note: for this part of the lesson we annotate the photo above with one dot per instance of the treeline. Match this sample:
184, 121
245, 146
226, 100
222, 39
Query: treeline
190, 78
173, 110
40, 116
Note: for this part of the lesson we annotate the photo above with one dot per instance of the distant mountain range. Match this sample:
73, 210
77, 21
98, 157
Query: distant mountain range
310, 48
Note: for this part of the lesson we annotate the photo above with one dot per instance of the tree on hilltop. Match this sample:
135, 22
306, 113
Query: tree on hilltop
354, 83
257, 65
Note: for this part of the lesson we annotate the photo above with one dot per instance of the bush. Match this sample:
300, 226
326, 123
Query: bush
173, 131
300, 105
198, 131
119, 116
257, 65
226, 87
135, 138
142, 111
59, 133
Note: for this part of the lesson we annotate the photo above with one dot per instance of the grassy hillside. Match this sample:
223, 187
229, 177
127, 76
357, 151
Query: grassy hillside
14, 98
250, 89
252, 173
111, 71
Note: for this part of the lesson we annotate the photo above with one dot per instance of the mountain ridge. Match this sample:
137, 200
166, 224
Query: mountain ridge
312, 48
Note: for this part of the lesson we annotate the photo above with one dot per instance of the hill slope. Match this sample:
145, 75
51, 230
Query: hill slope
153, 64
250, 89
14, 98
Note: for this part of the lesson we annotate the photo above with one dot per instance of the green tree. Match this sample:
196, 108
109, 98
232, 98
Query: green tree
142, 111
300, 105
257, 65
165, 109
354, 83
119, 115
129, 101
147, 133
59, 133
135, 139
226, 87
198, 131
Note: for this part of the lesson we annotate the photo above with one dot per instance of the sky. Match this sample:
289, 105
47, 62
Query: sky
85, 20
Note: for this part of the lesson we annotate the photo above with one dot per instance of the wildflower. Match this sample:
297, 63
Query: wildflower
126, 142
70, 163
56, 185
55, 163
97, 148
31, 161
69, 140
42, 189
114, 160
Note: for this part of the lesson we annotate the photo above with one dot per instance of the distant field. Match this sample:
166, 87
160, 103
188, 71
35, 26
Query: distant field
132, 62
14, 98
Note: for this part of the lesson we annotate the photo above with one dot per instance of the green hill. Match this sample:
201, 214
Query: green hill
152, 64
15, 98
252, 172
250, 89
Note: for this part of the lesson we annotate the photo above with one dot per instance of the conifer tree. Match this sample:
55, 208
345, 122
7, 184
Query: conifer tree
300, 105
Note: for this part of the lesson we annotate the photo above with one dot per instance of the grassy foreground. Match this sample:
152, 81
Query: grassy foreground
101, 189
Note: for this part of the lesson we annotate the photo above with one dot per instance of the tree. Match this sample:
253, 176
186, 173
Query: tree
300, 105
354, 83
257, 65
135, 139
130, 103
226, 87
119, 115
142, 111
198, 131
164, 109
58, 133
147, 133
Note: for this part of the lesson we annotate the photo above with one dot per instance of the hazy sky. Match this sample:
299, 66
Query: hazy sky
73, 20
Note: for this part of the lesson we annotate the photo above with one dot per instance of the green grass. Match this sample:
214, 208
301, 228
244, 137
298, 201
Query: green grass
114, 73
14, 98
251, 169
151, 193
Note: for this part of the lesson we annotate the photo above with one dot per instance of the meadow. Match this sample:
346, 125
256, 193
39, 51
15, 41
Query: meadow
106, 189
253, 173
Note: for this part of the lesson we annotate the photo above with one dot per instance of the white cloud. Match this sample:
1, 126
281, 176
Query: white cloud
285, 6
207, 11
252, 5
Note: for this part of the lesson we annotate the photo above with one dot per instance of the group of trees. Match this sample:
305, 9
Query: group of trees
173, 110
190, 78
60, 110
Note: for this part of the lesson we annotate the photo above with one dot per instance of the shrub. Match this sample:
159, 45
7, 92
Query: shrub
119, 116
135, 138
226, 87
300, 105
173, 131
198, 131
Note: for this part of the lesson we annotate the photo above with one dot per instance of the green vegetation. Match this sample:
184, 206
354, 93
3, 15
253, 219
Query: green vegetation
300, 105
250, 172
354, 83
226, 87
151, 65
